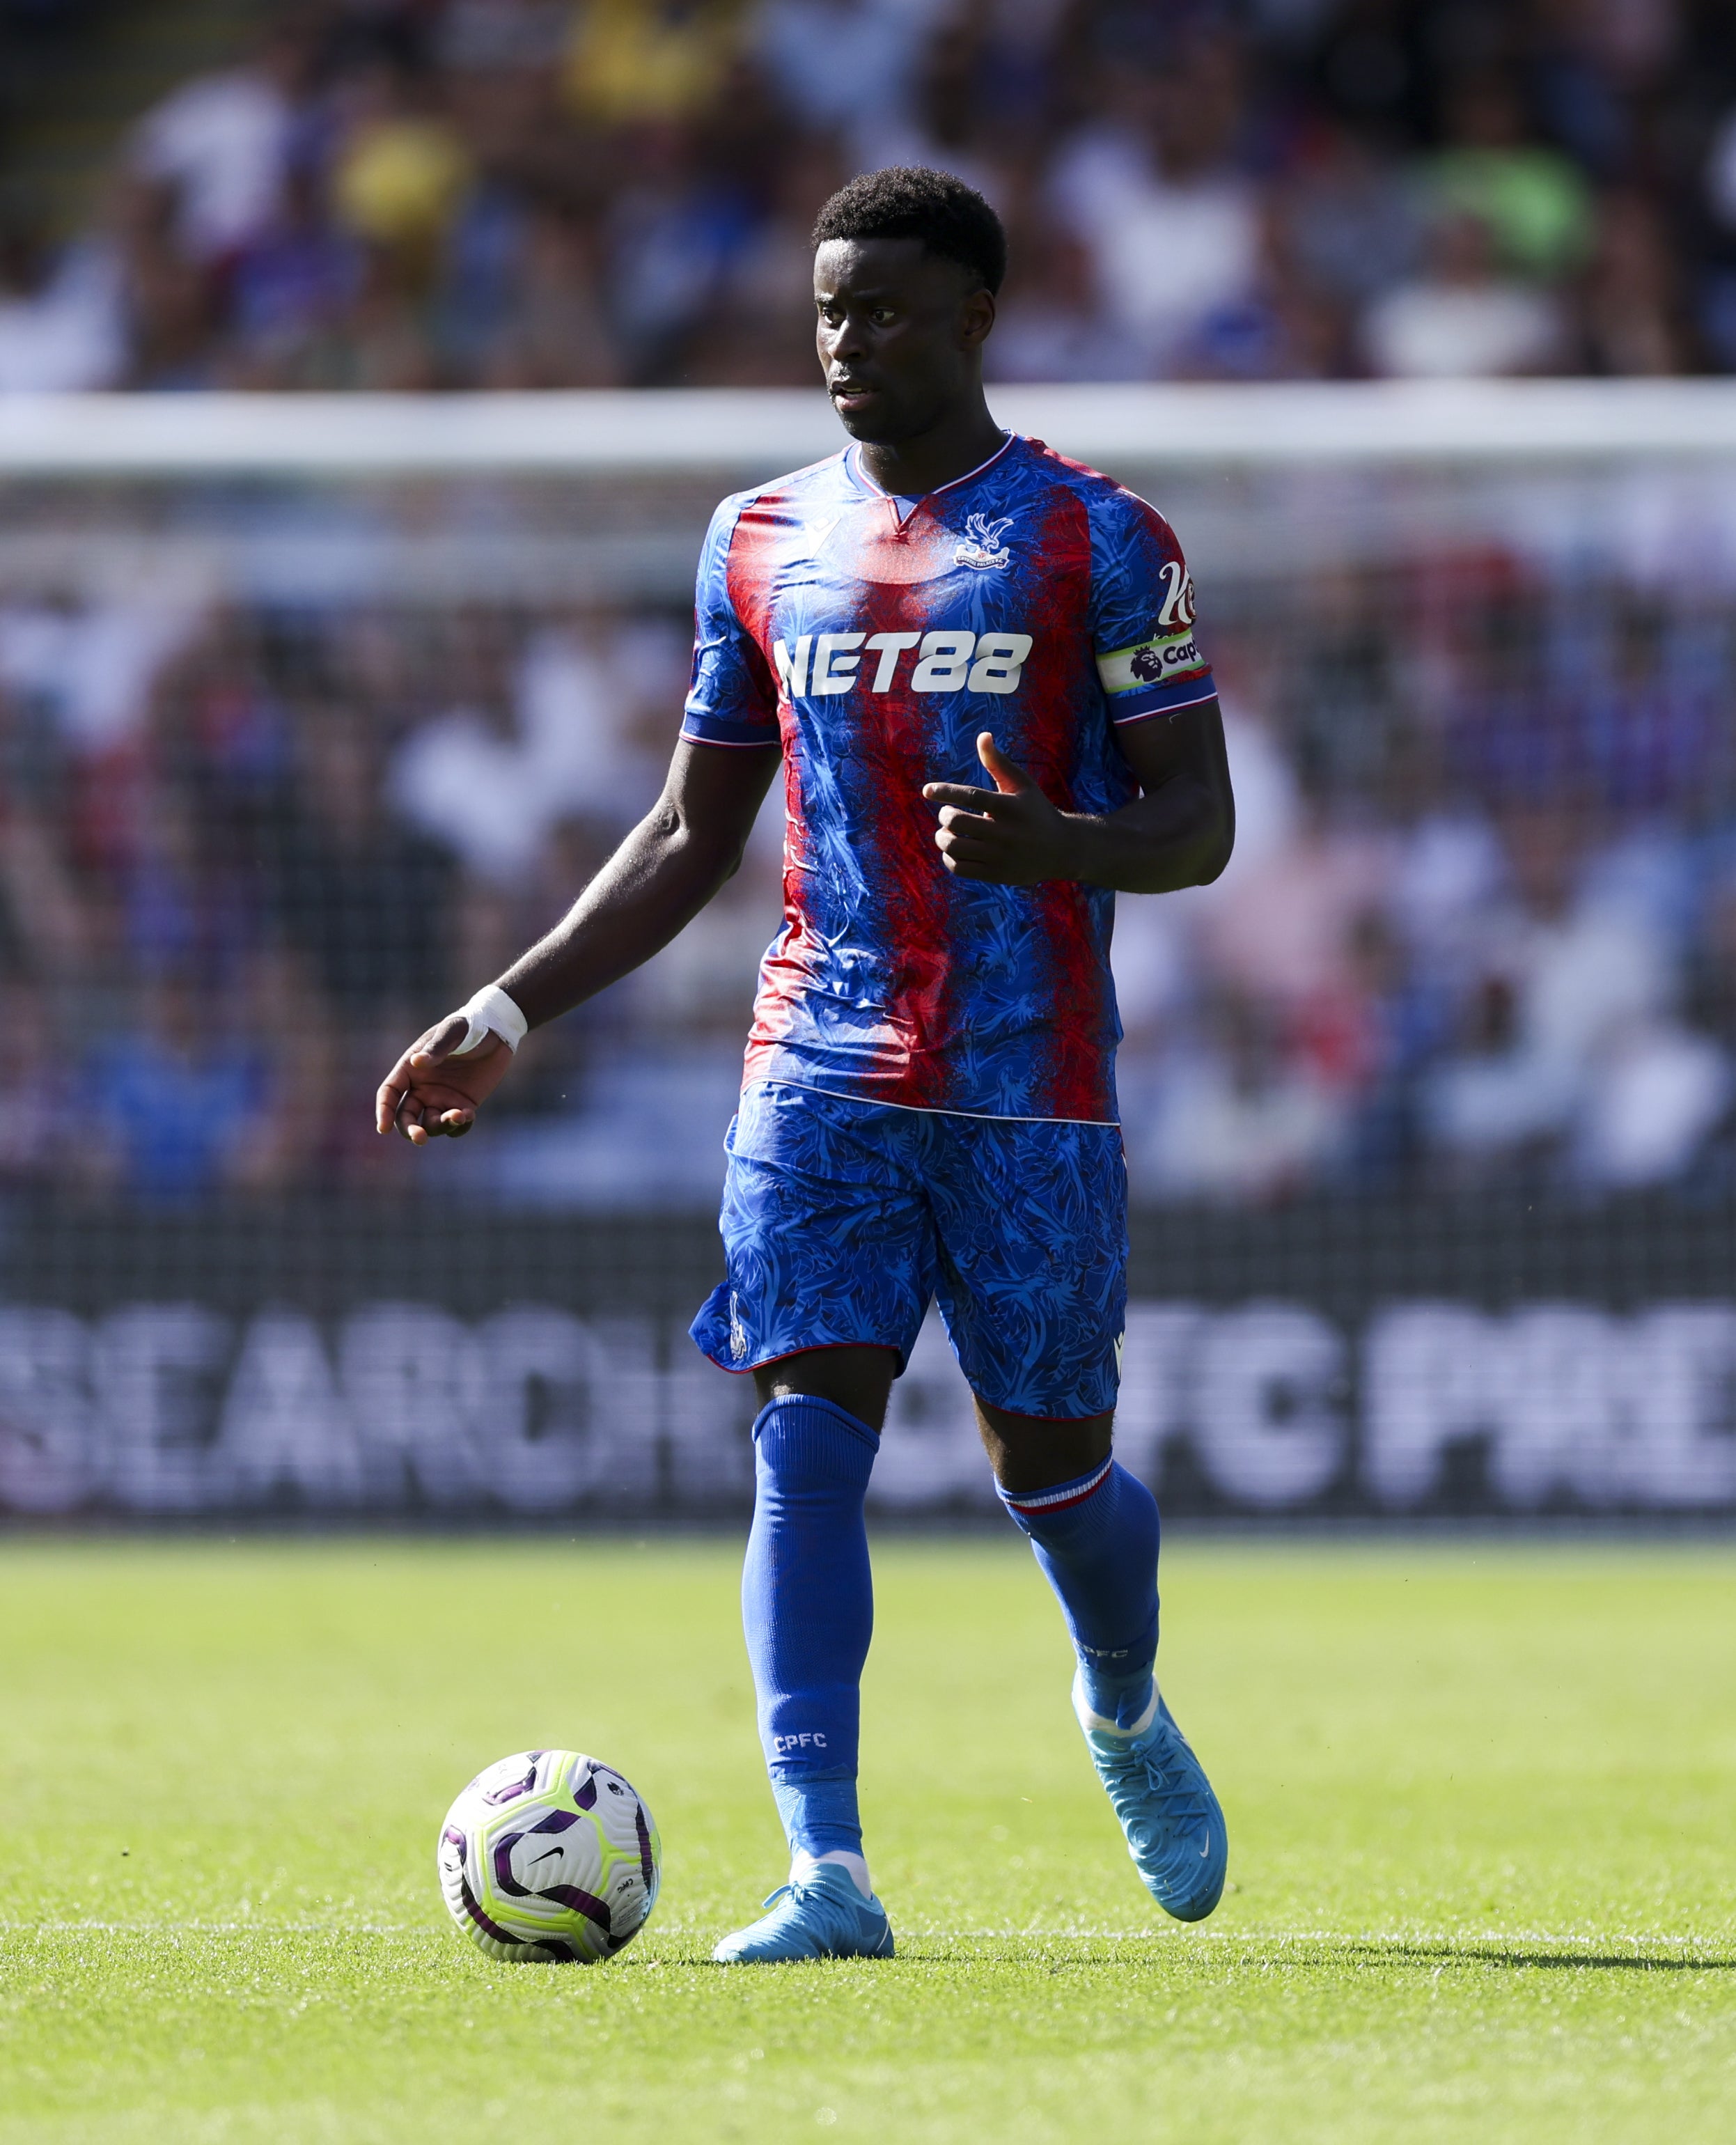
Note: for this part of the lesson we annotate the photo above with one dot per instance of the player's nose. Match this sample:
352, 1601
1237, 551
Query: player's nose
845, 342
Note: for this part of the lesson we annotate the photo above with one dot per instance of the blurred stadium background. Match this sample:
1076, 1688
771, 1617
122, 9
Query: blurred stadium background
316, 705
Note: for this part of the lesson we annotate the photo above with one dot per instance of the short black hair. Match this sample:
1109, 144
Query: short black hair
909, 201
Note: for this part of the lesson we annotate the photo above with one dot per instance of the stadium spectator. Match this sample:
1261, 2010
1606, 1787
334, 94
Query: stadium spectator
401, 171
1532, 200
1659, 1090
1254, 190
759, 332
532, 744
671, 236
48, 926
1346, 227
1151, 189
170, 1106
847, 66
1462, 315
218, 147
1478, 920
291, 285
1576, 980
89, 670
950, 121
280, 805
62, 324
34, 1126
629, 61
1051, 326
1234, 1114
337, 857
552, 330
171, 300
1633, 320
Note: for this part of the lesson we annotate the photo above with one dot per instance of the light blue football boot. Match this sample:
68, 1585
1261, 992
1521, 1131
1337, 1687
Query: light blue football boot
1175, 1830
818, 1914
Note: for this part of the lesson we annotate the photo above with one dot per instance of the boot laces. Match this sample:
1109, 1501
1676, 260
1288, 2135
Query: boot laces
1142, 1777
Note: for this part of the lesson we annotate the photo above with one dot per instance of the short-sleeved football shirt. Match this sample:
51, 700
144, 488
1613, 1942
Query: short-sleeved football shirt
874, 640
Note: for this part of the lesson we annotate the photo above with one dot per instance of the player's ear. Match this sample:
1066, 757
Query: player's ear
975, 317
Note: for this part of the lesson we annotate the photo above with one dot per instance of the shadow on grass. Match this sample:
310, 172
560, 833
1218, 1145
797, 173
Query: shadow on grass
1584, 1961
1161, 1952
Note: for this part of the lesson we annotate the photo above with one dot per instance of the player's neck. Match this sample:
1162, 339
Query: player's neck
962, 441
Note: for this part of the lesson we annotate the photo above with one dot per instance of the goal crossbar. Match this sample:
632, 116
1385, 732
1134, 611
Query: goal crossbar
756, 432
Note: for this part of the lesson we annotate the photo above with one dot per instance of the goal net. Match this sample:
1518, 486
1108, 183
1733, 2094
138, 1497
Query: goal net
313, 712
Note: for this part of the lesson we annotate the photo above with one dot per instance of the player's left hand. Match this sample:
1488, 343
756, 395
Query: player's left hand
1011, 836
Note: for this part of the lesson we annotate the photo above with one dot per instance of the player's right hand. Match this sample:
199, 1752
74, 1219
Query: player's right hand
431, 1094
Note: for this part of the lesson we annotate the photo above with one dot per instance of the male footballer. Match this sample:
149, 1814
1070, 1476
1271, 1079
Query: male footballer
974, 663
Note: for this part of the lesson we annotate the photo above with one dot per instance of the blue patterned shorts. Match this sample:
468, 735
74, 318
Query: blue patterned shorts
842, 1219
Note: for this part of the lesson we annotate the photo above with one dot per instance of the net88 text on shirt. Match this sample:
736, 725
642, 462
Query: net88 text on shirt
948, 661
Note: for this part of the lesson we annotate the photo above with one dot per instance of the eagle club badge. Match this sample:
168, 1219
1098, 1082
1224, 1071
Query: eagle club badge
981, 545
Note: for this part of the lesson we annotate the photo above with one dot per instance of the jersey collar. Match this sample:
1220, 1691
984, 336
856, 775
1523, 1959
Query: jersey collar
853, 460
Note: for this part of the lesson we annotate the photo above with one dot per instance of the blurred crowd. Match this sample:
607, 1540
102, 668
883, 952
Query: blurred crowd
1480, 931
414, 194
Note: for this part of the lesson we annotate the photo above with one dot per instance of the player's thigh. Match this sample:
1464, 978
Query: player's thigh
828, 1241
1033, 1276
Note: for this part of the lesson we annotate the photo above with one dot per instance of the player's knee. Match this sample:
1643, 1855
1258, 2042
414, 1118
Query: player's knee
858, 1380
1029, 1453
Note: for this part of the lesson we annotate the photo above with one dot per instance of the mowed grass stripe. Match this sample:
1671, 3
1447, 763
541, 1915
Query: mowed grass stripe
1478, 1795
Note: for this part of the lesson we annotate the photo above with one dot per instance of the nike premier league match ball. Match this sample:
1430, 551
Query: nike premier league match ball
549, 1856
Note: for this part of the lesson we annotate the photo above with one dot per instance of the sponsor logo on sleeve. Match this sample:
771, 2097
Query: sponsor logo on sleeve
1178, 597
1165, 660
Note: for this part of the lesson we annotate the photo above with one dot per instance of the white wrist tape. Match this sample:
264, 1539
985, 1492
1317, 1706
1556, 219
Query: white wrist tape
491, 1012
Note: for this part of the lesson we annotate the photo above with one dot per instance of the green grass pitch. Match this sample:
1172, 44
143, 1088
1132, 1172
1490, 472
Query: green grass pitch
1482, 1803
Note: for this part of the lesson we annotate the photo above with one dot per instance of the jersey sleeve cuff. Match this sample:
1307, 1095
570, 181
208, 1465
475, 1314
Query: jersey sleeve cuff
1168, 698
721, 730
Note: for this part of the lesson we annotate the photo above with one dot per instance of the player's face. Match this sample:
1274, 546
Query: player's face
899, 334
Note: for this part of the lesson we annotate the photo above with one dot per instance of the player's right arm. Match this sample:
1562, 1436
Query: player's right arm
657, 881
660, 878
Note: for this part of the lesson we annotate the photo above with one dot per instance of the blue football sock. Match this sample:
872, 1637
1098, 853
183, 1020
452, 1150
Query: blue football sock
1096, 1538
808, 1606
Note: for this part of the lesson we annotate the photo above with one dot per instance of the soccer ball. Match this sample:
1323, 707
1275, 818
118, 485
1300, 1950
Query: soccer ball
549, 1856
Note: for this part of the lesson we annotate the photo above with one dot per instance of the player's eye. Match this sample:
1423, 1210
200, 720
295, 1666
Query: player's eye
881, 315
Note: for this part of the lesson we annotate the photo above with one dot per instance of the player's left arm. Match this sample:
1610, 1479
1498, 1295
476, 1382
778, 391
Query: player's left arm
1177, 832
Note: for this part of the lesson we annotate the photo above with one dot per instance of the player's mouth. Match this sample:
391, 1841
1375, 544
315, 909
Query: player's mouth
849, 396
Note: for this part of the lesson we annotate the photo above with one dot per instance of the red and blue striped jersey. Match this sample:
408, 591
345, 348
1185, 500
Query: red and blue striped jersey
874, 638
